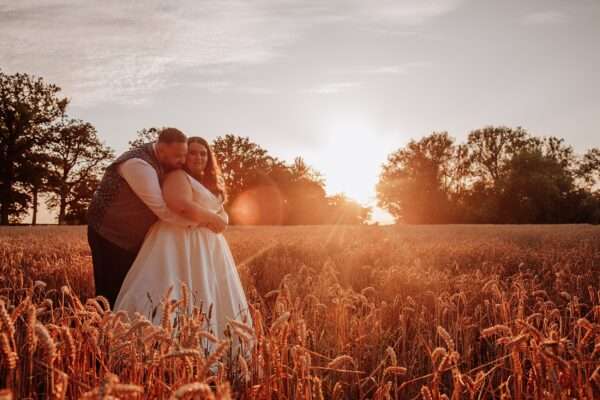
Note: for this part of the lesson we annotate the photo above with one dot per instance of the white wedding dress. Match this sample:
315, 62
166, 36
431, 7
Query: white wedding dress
198, 257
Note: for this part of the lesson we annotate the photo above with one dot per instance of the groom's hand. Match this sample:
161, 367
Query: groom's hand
217, 225
215, 229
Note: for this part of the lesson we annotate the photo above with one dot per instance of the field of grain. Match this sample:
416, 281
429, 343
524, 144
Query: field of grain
431, 312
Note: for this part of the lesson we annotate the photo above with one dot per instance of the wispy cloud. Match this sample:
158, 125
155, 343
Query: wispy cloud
545, 18
387, 69
332, 88
215, 86
396, 12
394, 69
407, 12
125, 51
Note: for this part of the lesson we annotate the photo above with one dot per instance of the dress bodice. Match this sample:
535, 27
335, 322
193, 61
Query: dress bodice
203, 196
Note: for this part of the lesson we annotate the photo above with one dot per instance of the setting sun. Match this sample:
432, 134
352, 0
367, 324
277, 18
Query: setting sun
351, 153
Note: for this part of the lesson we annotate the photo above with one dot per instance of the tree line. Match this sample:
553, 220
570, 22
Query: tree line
44, 151
498, 175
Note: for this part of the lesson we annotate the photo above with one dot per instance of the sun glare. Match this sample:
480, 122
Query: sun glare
351, 159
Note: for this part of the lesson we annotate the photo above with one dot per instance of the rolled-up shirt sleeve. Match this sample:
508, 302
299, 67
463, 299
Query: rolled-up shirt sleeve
143, 180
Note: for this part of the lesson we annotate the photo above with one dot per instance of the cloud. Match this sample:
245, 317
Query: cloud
351, 76
544, 18
121, 51
395, 69
393, 12
332, 88
407, 12
387, 69
215, 86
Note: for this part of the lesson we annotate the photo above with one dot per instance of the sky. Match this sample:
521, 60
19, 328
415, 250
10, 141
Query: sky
341, 83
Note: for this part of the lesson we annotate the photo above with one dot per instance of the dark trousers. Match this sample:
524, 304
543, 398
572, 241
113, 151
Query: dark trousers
110, 263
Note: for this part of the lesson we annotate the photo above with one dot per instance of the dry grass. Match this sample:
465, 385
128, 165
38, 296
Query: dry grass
468, 312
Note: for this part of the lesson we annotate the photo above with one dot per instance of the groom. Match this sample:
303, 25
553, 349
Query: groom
128, 201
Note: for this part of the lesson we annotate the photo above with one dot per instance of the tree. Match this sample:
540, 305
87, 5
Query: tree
491, 148
556, 149
484, 164
28, 108
306, 203
343, 210
303, 189
460, 170
243, 163
415, 182
589, 168
300, 170
144, 136
38, 179
538, 188
81, 196
77, 157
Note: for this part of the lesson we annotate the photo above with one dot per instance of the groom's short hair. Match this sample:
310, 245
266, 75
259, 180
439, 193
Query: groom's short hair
171, 135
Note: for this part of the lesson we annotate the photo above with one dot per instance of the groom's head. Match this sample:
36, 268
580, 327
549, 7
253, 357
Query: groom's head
171, 148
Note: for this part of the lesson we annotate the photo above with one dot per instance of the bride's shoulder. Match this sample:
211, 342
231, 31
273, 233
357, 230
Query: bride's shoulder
176, 177
176, 174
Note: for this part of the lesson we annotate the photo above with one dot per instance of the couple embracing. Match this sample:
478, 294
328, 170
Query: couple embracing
155, 222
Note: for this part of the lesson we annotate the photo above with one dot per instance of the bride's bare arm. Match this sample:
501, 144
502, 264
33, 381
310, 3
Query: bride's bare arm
177, 192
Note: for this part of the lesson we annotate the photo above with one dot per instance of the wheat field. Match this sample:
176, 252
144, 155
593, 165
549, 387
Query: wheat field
340, 312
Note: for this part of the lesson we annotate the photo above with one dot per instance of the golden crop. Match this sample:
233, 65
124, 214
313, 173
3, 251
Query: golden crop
340, 312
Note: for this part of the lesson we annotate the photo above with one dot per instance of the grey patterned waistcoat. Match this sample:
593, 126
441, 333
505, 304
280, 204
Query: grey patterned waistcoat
116, 212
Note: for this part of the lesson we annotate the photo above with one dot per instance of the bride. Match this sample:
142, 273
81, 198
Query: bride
198, 257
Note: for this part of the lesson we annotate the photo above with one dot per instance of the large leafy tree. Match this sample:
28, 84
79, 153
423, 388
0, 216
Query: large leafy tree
415, 181
304, 189
77, 157
301, 170
79, 200
538, 188
243, 163
38, 180
490, 150
556, 149
343, 210
589, 168
28, 108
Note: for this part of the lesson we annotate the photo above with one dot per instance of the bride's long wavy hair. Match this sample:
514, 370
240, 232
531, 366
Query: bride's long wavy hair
212, 178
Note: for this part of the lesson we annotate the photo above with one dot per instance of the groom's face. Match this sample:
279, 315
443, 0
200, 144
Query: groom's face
172, 155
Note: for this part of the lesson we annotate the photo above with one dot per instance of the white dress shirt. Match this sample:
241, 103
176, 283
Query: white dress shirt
143, 180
